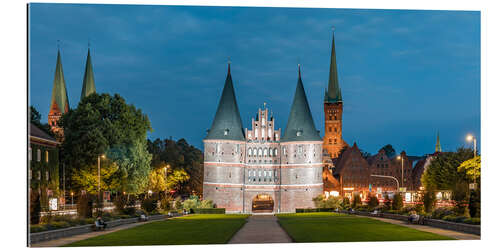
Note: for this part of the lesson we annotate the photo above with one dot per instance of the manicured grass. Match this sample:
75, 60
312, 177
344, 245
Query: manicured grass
334, 227
192, 229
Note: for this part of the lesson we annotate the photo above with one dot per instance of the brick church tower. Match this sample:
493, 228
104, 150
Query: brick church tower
333, 108
59, 103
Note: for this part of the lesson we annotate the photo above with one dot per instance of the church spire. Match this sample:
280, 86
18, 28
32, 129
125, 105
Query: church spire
88, 78
59, 102
438, 143
300, 126
333, 93
227, 123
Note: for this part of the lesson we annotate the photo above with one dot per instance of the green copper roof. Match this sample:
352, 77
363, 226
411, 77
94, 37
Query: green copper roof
59, 94
333, 93
227, 123
300, 126
88, 79
438, 144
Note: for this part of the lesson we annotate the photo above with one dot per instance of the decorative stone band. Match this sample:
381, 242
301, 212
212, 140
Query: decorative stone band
301, 142
224, 164
225, 184
228, 141
261, 165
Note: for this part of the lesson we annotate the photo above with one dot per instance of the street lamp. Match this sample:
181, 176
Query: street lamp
473, 139
402, 170
166, 177
99, 177
72, 198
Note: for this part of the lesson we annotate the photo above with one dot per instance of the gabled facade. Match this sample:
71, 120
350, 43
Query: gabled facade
353, 173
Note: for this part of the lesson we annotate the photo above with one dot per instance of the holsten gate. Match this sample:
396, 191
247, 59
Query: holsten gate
254, 170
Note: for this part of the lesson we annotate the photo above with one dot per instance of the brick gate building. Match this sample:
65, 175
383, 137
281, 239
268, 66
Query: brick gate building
255, 170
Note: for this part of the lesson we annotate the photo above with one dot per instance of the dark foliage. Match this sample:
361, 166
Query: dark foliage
397, 202
84, 206
372, 201
35, 207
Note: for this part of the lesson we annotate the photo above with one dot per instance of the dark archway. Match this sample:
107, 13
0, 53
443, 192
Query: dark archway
262, 203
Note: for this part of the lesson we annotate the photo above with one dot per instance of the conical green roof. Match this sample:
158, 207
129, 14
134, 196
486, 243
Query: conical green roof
59, 93
333, 93
300, 126
88, 79
227, 123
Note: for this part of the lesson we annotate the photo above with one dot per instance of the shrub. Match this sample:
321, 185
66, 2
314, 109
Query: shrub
397, 202
148, 204
441, 212
313, 210
387, 203
474, 221
120, 203
207, 204
209, 210
166, 203
346, 203
37, 228
372, 201
190, 203
178, 203
460, 195
475, 203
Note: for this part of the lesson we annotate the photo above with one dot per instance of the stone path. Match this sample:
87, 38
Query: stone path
74, 238
440, 231
261, 229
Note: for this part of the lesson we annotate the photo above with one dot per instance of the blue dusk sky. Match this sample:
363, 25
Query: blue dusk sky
404, 74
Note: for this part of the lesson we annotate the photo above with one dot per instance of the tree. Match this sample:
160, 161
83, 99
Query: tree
389, 150
460, 195
106, 125
372, 201
176, 179
387, 202
429, 200
157, 181
35, 118
471, 168
442, 173
397, 202
356, 202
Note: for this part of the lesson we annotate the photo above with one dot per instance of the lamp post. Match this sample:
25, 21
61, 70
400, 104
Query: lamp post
402, 170
473, 139
72, 198
99, 177
166, 178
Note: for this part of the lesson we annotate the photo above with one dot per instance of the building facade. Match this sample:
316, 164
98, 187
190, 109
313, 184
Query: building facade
255, 170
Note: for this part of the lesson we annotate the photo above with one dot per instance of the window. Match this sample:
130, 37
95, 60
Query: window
300, 149
38, 155
335, 117
275, 151
249, 152
260, 173
265, 152
330, 129
329, 141
284, 150
260, 152
335, 129
254, 152
335, 141
46, 156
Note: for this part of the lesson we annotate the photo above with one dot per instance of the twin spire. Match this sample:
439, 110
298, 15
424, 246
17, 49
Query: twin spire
227, 123
59, 92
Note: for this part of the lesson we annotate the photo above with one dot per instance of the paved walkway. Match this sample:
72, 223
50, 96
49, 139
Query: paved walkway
74, 238
440, 231
261, 229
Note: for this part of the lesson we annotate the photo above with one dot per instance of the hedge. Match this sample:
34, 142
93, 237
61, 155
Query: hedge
208, 210
312, 210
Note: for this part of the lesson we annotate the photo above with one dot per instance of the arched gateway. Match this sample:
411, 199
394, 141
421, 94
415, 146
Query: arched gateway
262, 203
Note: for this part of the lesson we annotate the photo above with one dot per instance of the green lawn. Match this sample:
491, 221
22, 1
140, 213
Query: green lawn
333, 227
193, 229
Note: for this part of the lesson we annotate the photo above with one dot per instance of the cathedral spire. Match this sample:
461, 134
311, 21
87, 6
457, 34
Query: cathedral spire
438, 144
300, 126
88, 78
227, 123
333, 93
59, 102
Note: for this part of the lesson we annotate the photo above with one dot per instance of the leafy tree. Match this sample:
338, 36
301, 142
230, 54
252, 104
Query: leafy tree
356, 202
429, 200
460, 194
35, 118
157, 180
372, 201
387, 202
35, 207
104, 124
472, 168
389, 150
442, 173
397, 202
176, 179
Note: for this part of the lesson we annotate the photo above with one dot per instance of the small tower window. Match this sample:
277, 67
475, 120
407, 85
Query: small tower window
226, 131
38, 155
330, 129
299, 132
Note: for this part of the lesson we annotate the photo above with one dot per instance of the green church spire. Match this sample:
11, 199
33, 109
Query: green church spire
59, 93
333, 93
227, 123
300, 126
88, 79
438, 143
